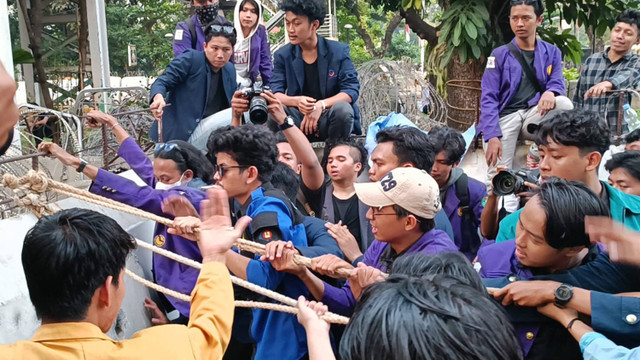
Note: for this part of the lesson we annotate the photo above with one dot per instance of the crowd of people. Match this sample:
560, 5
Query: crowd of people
440, 265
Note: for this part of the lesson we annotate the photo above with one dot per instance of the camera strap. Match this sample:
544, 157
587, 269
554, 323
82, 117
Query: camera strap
528, 71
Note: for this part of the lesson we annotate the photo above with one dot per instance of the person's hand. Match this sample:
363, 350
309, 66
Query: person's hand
309, 124
346, 241
285, 263
158, 105
305, 104
96, 118
527, 293
547, 103
217, 236
275, 108
527, 195
185, 226
494, 151
274, 249
598, 89
623, 244
563, 316
329, 265
59, 153
499, 168
309, 313
157, 316
239, 104
362, 277
42, 121
179, 206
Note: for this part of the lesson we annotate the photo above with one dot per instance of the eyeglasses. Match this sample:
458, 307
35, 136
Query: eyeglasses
222, 29
379, 208
166, 147
221, 169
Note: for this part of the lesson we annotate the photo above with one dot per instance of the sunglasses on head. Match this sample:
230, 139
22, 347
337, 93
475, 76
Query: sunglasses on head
166, 147
222, 29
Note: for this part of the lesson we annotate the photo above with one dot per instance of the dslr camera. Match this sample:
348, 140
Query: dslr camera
257, 104
512, 182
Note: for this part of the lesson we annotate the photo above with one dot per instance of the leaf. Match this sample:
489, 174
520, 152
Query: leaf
475, 19
462, 54
471, 30
21, 56
446, 58
444, 32
482, 11
476, 51
457, 31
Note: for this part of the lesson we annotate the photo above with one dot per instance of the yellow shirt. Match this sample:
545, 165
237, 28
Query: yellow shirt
206, 336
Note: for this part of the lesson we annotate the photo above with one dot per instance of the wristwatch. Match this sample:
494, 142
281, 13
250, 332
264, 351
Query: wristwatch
83, 164
563, 295
288, 122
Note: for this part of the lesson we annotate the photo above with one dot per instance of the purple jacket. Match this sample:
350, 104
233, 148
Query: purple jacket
182, 37
502, 77
342, 301
167, 272
477, 193
260, 56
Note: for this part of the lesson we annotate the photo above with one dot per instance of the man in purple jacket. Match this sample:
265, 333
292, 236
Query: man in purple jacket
521, 84
403, 204
189, 34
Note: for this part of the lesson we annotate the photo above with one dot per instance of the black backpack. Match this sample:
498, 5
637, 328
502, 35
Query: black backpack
469, 226
191, 24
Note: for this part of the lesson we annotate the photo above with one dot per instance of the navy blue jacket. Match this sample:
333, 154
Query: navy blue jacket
336, 73
186, 81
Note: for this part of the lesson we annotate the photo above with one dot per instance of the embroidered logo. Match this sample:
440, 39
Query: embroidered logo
459, 211
549, 69
491, 62
332, 74
484, 200
267, 235
388, 183
159, 240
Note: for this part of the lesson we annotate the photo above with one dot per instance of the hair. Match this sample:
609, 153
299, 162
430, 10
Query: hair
410, 145
250, 145
255, 5
444, 138
583, 129
627, 160
565, 205
357, 151
281, 138
437, 317
452, 264
313, 9
631, 17
67, 256
632, 136
425, 224
285, 179
537, 5
188, 157
209, 33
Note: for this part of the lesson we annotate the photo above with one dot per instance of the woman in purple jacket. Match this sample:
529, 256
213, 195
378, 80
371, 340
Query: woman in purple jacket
178, 169
252, 54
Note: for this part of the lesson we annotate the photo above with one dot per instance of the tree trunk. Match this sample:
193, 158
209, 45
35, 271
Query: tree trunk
83, 40
373, 50
463, 92
33, 22
420, 27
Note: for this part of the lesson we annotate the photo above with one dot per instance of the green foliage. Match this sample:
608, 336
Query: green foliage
571, 74
565, 41
21, 56
464, 30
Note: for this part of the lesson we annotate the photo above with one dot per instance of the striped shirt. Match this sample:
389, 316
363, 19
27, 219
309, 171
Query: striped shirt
623, 74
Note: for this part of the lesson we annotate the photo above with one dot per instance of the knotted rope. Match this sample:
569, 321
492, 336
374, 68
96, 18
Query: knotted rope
37, 183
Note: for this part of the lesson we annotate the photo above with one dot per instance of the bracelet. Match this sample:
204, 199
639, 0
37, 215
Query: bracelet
324, 106
114, 126
571, 323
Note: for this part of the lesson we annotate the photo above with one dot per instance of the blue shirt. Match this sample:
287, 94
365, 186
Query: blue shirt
596, 346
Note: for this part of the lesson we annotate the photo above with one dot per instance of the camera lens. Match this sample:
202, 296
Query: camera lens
504, 183
258, 110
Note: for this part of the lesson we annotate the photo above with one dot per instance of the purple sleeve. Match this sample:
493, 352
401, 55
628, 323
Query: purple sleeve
556, 81
489, 122
266, 65
131, 152
339, 300
180, 46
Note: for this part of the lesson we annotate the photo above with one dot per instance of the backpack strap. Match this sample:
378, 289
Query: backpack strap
462, 190
528, 71
191, 24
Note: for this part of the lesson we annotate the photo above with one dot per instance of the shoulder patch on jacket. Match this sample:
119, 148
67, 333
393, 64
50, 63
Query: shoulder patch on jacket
491, 62
178, 34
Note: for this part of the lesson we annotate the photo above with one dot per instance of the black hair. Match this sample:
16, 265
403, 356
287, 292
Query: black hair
410, 145
313, 9
209, 33
285, 179
632, 136
188, 157
250, 145
627, 160
280, 138
450, 263
439, 317
583, 129
631, 17
357, 151
425, 224
255, 5
537, 5
67, 256
444, 138
565, 204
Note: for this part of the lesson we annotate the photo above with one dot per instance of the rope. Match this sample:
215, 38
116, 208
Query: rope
38, 182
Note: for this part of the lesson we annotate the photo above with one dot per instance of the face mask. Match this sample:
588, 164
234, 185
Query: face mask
206, 14
165, 186
6, 146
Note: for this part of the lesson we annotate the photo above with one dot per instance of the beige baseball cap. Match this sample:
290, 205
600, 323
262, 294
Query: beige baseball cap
410, 188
